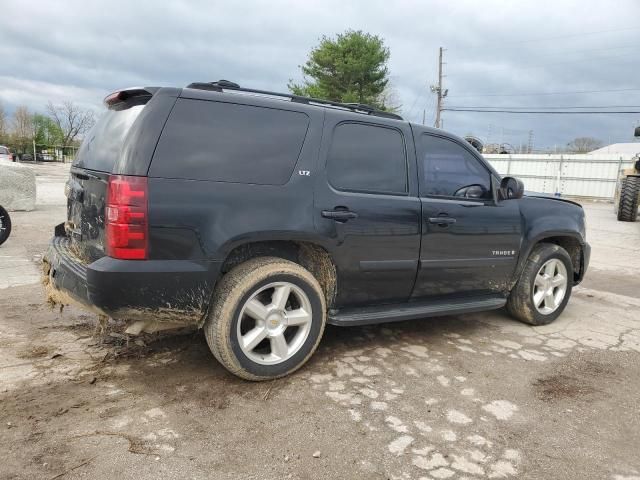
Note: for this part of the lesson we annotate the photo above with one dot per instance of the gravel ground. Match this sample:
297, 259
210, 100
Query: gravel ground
469, 396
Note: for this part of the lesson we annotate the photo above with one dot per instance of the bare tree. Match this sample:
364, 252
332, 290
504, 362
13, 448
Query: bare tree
583, 144
4, 127
22, 128
72, 120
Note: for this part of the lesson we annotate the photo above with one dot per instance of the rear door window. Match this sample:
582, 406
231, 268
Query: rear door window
102, 146
226, 142
367, 158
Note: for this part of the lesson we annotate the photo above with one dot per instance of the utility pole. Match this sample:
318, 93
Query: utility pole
424, 116
438, 90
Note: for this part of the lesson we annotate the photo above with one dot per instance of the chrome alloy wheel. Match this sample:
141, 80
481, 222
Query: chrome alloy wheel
274, 323
550, 286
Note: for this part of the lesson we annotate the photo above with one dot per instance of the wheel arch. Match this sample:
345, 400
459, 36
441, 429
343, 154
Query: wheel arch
573, 247
310, 255
572, 242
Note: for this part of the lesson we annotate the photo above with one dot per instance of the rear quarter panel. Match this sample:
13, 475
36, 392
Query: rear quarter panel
199, 219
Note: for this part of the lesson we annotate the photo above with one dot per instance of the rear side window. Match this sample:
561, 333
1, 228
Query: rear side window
367, 158
448, 169
4, 151
228, 142
102, 146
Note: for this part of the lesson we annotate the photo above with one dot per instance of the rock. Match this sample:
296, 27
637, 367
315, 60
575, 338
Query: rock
286, 458
17, 186
317, 454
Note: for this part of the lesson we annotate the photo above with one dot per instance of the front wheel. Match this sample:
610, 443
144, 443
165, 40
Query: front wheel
544, 288
267, 318
5, 225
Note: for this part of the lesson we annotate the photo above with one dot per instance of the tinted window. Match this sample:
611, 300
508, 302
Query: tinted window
229, 143
367, 158
448, 168
101, 147
4, 151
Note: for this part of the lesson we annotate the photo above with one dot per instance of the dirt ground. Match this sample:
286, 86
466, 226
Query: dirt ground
470, 396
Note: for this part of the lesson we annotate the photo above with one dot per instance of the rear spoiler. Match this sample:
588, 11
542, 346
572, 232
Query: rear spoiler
128, 97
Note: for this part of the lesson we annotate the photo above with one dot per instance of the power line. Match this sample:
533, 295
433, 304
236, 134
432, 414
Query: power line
573, 51
543, 39
540, 112
572, 35
594, 61
418, 96
544, 93
546, 108
588, 50
429, 106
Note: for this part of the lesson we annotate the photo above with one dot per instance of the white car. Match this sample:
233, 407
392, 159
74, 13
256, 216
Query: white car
5, 154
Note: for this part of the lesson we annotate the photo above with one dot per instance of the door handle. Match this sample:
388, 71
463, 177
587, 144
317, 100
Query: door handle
443, 221
339, 215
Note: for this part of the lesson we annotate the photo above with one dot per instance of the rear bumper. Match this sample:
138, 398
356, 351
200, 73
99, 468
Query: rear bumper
175, 291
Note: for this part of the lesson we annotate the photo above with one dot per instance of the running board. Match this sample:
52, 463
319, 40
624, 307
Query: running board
412, 310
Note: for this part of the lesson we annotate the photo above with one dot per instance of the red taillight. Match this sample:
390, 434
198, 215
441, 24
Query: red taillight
126, 215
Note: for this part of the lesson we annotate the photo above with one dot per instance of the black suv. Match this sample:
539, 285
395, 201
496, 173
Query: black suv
262, 216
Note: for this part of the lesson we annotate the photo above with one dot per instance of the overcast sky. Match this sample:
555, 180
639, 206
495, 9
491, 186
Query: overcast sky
83, 50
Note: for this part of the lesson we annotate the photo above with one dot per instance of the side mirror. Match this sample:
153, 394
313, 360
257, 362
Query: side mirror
637, 132
511, 188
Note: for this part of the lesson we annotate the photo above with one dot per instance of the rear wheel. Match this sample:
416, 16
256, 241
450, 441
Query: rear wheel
5, 225
544, 288
628, 203
267, 318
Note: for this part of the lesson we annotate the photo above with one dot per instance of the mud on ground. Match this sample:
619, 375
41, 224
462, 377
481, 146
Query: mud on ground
473, 396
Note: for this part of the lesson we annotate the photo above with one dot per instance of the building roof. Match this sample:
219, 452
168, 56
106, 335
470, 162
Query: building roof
619, 148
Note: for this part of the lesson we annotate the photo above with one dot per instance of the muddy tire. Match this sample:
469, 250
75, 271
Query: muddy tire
544, 287
628, 203
267, 318
5, 225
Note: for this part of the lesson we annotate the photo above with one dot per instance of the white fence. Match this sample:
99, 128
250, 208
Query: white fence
571, 175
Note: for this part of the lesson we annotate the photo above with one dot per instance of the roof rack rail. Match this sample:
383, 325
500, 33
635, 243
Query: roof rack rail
221, 85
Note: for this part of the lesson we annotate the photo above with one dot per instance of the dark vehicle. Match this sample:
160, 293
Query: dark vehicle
26, 157
45, 157
261, 217
5, 225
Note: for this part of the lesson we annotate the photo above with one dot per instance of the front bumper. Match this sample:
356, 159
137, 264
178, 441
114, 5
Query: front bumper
584, 263
176, 291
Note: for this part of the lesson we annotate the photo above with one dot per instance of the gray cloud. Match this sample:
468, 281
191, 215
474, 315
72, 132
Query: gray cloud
84, 50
